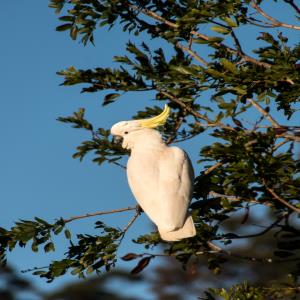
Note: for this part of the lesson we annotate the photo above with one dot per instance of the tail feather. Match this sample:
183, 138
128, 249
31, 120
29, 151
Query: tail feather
188, 230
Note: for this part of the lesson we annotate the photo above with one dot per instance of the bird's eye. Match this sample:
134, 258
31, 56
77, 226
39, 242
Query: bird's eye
126, 132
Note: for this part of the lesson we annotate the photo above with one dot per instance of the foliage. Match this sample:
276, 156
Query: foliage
249, 161
246, 292
17, 287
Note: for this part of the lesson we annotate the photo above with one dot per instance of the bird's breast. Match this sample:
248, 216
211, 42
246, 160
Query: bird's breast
143, 178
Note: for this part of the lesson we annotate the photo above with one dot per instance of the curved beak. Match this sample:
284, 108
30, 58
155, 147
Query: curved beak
117, 139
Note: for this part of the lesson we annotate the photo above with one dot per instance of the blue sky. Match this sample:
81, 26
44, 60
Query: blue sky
38, 175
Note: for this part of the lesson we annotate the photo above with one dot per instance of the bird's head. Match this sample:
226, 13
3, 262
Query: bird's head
132, 131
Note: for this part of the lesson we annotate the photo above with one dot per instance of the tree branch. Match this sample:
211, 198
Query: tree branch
267, 229
265, 113
280, 144
232, 198
275, 22
99, 213
193, 112
118, 164
293, 5
138, 211
237, 42
264, 25
267, 260
193, 54
271, 191
188, 137
178, 123
155, 16
212, 168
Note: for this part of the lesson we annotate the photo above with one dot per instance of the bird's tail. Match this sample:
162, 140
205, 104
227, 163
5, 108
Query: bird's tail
188, 230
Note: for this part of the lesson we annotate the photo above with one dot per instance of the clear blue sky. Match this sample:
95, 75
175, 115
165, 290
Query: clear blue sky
38, 175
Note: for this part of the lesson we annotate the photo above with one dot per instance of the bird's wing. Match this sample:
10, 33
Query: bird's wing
162, 183
176, 177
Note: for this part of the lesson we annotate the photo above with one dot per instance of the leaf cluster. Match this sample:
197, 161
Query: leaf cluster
100, 143
89, 254
210, 83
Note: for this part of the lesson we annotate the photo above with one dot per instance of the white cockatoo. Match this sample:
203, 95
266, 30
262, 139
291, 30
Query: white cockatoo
160, 177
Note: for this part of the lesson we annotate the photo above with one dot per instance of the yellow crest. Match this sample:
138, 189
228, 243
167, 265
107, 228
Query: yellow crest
158, 120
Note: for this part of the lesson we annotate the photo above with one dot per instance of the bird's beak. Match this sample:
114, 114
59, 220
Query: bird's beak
117, 139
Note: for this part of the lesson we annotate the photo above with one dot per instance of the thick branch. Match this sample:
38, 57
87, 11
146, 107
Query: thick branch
291, 137
99, 213
275, 22
212, 168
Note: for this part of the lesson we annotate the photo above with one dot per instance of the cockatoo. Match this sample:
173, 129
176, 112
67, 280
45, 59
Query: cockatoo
160, 177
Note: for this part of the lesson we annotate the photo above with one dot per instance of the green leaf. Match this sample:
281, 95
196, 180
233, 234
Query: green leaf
182, 70
110, 98
34, 247
49, 247
142, 264
67, 18
64, 27
230, 22
240, 91
129, 256
73, 32
67, 234
220, 29
228, 65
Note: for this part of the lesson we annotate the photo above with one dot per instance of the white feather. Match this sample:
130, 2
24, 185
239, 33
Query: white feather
161, 179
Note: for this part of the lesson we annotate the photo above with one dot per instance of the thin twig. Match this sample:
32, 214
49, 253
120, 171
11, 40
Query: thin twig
118, 164
233, 35
264, 112
271, 191
135, 216
253, 22
280, 144
267, 229
185, 138
99, 213
218, 250
268, 260
131, 221
275, 22
237, 42
178, 123
232, 198
193, 54
193, 112
293, 5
